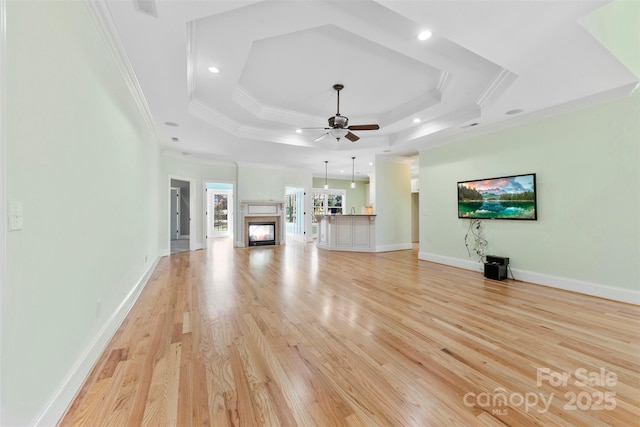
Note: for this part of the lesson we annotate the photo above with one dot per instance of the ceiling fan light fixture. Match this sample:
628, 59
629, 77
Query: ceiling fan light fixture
338, 133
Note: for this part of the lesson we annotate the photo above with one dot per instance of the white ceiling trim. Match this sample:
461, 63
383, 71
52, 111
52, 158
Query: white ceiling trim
497, 87
202, 111
427, 100
453, 119
103, 20
192, 60
536, 116
267, 112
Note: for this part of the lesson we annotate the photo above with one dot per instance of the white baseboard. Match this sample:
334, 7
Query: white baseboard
70, 386
394, 247
197, 245
567, 284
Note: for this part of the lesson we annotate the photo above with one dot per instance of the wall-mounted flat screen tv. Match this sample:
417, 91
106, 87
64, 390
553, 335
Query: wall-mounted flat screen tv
507, 197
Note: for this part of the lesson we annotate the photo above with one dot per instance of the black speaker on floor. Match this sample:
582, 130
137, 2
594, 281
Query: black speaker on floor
495, 267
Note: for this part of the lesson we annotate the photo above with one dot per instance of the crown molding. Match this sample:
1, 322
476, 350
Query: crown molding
203, 111
535, 116
195, 157
192, 60
497, 87
266, 112
422, 102
103, 20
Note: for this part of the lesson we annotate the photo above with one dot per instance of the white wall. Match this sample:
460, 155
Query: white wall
587, 237
392, 188
84, 164
260, 183
196, 171
252, 182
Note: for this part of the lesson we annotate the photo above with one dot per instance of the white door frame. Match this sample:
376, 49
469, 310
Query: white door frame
192, 186
301, 213
231, 206
174, 234
3, 195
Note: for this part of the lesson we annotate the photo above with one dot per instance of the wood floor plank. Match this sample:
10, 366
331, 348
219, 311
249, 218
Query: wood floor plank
295, 336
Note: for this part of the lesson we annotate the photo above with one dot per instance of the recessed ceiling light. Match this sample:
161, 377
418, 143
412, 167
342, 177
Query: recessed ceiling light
172, 124
298, 130
214, 70
370, 163
424, 35
416, 120
515, 111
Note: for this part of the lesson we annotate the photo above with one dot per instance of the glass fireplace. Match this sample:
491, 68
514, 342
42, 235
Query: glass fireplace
262, 233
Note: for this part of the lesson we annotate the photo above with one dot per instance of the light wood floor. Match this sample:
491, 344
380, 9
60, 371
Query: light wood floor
295, 336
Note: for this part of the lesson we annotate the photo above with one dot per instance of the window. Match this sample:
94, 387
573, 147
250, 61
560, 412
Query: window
220, 212
327, 202
292, 208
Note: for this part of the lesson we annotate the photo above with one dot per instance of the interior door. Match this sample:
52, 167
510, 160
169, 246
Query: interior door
174, 213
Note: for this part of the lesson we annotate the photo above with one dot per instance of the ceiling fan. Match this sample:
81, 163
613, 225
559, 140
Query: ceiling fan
339, 125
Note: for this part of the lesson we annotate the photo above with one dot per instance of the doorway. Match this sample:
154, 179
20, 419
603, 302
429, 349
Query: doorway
219, 209
180, 205
295, 213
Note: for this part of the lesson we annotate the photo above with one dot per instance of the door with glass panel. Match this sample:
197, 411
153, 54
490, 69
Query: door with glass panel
295, 213
219, 212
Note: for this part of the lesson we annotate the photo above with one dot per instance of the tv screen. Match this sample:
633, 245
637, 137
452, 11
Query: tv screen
507, 197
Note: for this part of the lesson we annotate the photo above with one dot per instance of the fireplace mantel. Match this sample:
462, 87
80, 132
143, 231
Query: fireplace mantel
261, 210
261, 207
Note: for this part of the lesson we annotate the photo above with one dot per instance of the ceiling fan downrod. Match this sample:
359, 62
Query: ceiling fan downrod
338, 87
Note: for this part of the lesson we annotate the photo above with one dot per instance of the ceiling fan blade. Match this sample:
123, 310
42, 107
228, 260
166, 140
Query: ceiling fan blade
364, 127
352, 137
315, 128
321, 137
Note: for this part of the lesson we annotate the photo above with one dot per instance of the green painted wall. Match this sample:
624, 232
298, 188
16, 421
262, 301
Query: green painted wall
392, 205
355, 197
588, 171
258, 183
85, 166
617, 26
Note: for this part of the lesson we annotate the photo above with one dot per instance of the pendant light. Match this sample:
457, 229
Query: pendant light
326, 184
353, 172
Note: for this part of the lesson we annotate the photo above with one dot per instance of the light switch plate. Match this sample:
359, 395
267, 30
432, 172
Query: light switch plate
16, 219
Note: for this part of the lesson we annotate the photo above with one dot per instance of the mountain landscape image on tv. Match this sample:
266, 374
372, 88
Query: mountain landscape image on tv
508, 197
